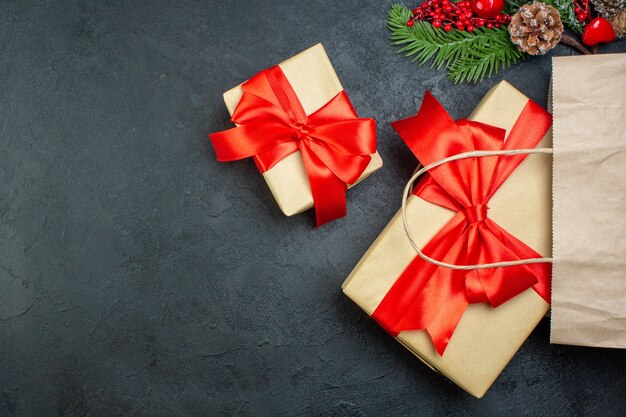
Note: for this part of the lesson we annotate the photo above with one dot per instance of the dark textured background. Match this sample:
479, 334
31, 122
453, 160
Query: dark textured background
140, 277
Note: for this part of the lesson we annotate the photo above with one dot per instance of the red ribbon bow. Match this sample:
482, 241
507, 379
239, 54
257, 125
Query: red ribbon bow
335, 144
434, 298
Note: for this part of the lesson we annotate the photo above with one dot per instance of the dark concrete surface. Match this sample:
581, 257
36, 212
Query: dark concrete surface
140, 277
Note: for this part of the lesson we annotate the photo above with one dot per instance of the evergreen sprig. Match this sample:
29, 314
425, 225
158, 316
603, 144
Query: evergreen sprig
468, 57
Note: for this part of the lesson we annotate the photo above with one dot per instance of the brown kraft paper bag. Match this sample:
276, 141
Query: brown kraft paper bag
589, 201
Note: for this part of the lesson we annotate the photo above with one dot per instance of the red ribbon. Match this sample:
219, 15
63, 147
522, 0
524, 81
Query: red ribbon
434, 298
335, 144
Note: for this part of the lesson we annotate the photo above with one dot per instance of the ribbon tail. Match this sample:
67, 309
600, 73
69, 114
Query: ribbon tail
450, 309
329, 192
426, 296
438, 309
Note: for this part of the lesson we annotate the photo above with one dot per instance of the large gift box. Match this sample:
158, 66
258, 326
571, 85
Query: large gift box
272, 110
466, 325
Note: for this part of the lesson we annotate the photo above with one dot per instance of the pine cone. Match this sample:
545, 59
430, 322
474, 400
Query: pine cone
608, 8
536, 28
618, 22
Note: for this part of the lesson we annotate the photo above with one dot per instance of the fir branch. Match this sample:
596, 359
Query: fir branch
467, 56
512, 6
475, 65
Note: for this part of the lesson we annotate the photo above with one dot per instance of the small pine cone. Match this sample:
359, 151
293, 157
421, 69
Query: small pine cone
619, 23
608, 8
536, 28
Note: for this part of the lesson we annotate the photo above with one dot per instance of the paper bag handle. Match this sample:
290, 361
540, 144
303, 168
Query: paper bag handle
465, 155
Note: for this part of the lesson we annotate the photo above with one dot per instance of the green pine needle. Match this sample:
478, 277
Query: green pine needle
468, 57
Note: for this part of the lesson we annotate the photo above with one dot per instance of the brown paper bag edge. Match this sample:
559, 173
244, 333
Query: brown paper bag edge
287, 180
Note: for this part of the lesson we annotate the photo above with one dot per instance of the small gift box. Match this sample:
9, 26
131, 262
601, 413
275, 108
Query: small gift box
299, 126
466, 325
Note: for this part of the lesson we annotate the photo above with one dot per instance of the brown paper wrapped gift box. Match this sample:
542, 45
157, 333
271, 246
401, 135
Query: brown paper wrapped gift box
486, 338
315, 82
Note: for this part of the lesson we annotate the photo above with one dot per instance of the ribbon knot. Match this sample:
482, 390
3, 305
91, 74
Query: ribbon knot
272, 125
476, 213
433, 298
301, 130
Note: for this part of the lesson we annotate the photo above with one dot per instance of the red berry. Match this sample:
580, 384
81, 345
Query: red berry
416, 10
489, 25
599, 30
487, 9
447, 27
437, 23
577, 10
496, 25
499, 18
470, 28
581, 17
459, 25
410, 23
447, 8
